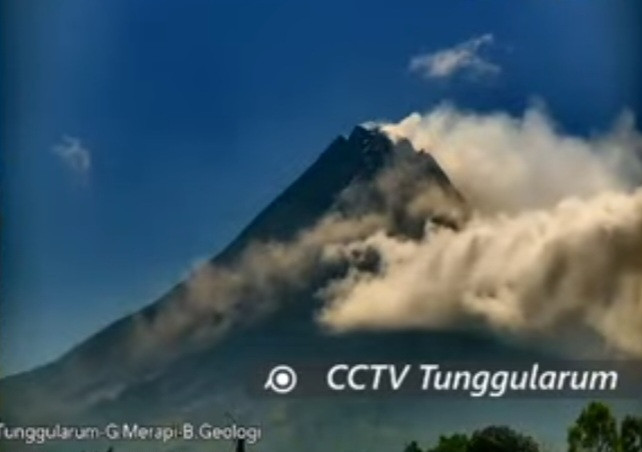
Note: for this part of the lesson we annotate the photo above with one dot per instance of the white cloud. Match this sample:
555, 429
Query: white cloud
505, 163
551, 274
74, 155
553, 250
465, 56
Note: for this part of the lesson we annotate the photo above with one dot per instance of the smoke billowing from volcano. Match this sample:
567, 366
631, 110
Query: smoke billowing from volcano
548, 245
576, 266
510, 164
554, 246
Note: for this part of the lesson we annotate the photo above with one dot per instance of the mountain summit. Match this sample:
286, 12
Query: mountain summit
365, 176
347, 160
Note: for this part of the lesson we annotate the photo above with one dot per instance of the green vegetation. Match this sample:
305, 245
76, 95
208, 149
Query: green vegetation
595, 430
453, 443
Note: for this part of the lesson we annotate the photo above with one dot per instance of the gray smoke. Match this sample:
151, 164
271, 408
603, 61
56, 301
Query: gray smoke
554, 247
539, 273
548, 245
503, 163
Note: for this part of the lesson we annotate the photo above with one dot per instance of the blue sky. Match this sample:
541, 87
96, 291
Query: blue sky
139, 137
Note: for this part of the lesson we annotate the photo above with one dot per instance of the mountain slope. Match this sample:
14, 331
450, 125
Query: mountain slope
156, 366
108, 361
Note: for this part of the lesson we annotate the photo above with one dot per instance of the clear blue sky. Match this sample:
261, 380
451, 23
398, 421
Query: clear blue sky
188, 116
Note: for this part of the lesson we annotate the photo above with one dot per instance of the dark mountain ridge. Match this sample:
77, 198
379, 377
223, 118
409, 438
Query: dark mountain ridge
105, 364
108, 379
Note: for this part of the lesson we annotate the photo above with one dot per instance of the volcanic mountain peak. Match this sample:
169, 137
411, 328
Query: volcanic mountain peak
360, 155
373, 146
146, 343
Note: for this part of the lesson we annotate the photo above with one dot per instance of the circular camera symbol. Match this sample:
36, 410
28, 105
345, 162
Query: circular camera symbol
282, 379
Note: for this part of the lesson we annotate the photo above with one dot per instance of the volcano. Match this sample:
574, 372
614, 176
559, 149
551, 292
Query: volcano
187, 356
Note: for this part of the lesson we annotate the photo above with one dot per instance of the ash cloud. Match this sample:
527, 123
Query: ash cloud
553, 249
542, 273
215, 298
546, 246
503, 163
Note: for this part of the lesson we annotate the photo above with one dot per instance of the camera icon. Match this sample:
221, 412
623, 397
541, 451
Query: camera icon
281, 380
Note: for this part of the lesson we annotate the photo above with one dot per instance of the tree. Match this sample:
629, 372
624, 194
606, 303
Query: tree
453, 443
412, 447
501, 439
595, 430
631, 434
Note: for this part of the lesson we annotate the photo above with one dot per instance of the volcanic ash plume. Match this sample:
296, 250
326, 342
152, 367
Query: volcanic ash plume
545, 243
575, 266
554, 248
503, 163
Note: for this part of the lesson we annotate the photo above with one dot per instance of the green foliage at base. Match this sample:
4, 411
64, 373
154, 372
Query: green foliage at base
595, 430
